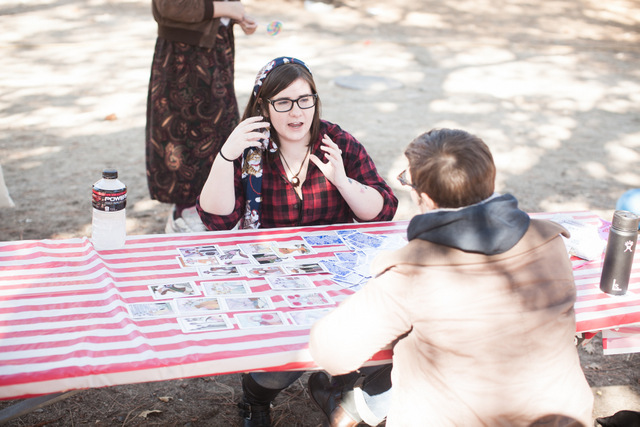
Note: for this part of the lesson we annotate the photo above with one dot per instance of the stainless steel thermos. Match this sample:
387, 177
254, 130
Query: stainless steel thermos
618, 258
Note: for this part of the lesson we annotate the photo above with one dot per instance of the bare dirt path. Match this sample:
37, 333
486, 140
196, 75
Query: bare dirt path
552, 87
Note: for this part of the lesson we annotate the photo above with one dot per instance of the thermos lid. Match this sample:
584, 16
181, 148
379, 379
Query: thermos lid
110, 174
625, 221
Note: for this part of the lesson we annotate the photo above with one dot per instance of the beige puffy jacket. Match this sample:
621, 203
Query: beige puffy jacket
482, 340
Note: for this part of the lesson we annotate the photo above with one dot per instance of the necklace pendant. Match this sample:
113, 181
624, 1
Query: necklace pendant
295, 181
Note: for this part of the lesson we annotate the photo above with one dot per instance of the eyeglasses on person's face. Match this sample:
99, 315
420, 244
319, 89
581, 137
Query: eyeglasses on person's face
403, 177
283, 105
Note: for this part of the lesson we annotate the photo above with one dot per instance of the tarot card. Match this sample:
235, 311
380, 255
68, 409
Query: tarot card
279, 283
195, 306
146, 310
264, 271
226, 287
222, 271
307, 317
173, 290
307, 268
233, 256
192, 262
291, 249
323, 239
353, 281
362, 240
393, 242
256, 248
348, 257
348, 260
307, 299
212, 322
248, 303
335, 267
266, 258
199, 251
346, 233
260, 320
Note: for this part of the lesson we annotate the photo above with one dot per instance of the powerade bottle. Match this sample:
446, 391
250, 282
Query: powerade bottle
108, 227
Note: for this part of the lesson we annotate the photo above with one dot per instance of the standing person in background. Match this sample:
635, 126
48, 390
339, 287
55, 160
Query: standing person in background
191, 105
478, 306
282, 167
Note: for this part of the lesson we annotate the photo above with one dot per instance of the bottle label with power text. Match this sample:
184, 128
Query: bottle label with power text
109, 200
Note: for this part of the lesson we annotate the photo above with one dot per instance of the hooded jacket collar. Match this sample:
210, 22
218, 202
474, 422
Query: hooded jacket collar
490, 227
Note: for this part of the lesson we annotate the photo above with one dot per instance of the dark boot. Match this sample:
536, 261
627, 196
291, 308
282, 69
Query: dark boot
328, 397
255, 415
256, 403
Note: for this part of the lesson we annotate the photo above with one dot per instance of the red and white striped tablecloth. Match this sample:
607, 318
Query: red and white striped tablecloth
64, 322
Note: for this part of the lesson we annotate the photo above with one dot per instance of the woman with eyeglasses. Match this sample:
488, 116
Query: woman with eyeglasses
283, 166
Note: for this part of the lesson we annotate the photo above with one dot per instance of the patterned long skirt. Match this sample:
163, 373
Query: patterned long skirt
191, 110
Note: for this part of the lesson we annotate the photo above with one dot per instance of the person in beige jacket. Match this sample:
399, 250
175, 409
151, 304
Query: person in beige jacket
478, 306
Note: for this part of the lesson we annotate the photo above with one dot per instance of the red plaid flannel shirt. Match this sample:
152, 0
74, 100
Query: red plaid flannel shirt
322, 203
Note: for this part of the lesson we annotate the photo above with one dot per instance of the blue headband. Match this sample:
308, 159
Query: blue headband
262, 74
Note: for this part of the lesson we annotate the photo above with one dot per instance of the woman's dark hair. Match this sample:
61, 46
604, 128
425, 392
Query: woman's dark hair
453, 167
276, 81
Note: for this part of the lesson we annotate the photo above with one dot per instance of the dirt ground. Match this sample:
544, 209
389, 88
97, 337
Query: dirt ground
553, 87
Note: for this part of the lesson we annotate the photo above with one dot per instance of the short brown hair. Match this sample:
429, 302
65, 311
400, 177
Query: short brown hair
453, 167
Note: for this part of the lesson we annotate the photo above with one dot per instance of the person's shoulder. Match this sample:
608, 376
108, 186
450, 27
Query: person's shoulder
330, 128
338, 135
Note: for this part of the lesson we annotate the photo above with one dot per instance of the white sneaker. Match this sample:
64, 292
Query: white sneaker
189, 222
193, 221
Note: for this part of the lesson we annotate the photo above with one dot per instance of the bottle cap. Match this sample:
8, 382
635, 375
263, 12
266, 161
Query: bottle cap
625, 221
110, 174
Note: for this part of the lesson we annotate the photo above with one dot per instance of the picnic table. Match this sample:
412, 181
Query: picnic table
74, 318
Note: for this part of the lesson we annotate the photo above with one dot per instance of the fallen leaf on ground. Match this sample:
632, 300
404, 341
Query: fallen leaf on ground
145, 414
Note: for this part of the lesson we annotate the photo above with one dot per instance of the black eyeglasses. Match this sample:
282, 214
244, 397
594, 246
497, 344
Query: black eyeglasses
283, 105
404, 180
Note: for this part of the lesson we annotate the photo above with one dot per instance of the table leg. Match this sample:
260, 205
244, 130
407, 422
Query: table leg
24, 407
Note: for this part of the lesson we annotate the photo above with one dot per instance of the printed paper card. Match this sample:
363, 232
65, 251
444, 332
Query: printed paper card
226, 287
213, 322
329, 239
195, 306
353, 281
305, 268
223, 271
248, 303
307, 299
233, 256
256, 248
173, 290
147, 310
290, 282
267, 258
264, 271
195, 262
335, 267
291, 249
307, 317
357, 240
199, 251
260, 320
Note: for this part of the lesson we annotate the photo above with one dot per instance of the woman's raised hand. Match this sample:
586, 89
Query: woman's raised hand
248, 24
247, 134
333, 169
